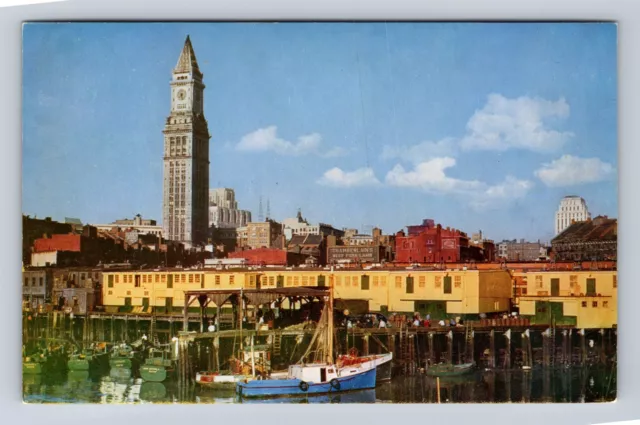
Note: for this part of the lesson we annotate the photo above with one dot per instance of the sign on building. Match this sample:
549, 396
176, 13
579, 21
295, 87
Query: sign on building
364, 254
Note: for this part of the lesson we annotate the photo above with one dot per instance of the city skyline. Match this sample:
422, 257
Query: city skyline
479, 126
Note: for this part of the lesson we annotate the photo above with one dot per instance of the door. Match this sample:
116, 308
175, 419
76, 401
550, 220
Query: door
168, 303
591, 287
170, 281
321, 280
280, 282
364, 282
409, 285
555, 287
127, 302
323, 374
447, 284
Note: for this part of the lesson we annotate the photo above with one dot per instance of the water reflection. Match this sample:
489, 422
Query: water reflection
595, 384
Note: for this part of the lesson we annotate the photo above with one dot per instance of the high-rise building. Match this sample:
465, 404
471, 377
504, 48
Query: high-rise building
223, 210
572, 208
186, 155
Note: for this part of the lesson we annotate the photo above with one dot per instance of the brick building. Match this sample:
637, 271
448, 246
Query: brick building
269, 257
591, 240
430, 243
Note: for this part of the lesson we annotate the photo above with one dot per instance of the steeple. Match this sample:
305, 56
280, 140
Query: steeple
187, 62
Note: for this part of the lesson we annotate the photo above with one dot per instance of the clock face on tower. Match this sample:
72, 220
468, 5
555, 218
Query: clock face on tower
181, 94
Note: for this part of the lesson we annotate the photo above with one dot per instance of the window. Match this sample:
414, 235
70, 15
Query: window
110, 293
33, 281
591, 287
190, 278
137, 281
81, 276
605, 304
272, 281
170, 281
338, 280
539, 281
383, 281
615, 281
375, 281
354, 280
127, 301
41, 281
447, 284
398, 281
157, 278
296, 281
110, 281
584, 303
231, 279
523, 291
457, 281
422, 281
594, 304
183, 278
217, 279
438, 282
144, 278
312, 280
573, 281
26, 281
305, 280
163, 278
289, 280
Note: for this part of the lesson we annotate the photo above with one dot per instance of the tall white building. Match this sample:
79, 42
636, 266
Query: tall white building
186, 155
572, 208
223, 210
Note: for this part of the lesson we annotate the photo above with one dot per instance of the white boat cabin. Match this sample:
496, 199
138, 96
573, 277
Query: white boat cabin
313, 373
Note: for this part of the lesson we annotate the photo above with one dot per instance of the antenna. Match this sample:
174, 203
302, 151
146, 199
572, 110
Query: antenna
268, 210
260, 215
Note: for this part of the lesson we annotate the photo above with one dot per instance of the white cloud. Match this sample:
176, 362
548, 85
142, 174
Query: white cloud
337, 178
570, 170
431, 177
266, 139
509, 190
521, 123
421, 152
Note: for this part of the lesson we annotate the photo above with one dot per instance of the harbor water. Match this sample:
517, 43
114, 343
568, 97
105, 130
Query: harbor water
539, 385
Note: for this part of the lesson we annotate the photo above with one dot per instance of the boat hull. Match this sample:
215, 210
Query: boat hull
211, 380
78, 364
297, 387
32, 368
154, 373
120, 363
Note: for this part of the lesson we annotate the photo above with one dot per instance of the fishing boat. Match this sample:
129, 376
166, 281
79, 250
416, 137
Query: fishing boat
254, 363
42, 361
157, 366
89, 358
320, 377
442, 370
123, 357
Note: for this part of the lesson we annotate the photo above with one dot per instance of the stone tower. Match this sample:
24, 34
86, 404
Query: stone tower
185, 202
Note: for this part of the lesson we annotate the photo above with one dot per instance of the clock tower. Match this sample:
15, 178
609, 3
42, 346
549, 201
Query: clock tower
186, 156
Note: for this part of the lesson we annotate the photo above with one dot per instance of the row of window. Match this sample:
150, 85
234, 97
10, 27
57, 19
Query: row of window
157, 278
594, 304
33, 281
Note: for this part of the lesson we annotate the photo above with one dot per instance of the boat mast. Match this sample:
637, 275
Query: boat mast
330, 319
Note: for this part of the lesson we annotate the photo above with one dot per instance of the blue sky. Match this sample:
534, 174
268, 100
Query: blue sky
479, 126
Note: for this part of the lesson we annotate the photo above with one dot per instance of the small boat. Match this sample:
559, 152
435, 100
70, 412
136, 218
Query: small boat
123, 357
157, 366
43, 361
89, 358
254, 362
442, 369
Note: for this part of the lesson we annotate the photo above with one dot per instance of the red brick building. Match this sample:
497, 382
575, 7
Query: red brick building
430, 243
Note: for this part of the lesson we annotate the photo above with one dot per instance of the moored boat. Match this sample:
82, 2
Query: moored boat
86, 359
441, 370
157, 367
254, 362
123, 357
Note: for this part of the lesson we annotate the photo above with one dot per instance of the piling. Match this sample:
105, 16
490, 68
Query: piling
492, 349
507, 353
431, 357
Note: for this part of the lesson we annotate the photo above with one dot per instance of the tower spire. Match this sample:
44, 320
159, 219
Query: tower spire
187, 62
268, 210
260, 216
